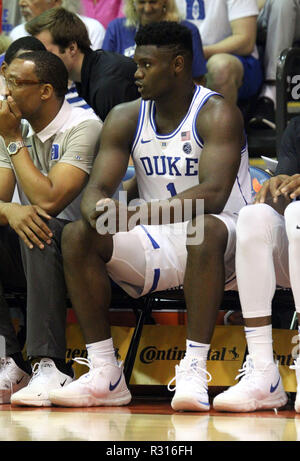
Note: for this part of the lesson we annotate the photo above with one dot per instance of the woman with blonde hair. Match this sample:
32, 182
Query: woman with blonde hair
120, 33
169, 12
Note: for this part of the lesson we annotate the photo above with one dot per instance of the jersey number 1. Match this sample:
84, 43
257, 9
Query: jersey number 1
171, 189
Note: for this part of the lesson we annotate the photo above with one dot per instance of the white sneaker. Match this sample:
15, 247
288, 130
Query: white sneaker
257, 390
45, 378
103, 385
296, 367
12, 378
191, 386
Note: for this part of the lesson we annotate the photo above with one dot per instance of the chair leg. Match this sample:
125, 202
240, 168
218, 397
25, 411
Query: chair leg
135, 340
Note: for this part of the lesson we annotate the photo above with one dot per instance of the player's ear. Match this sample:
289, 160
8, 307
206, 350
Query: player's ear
178, 64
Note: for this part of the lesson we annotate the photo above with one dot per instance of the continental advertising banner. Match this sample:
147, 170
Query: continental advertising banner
163, 346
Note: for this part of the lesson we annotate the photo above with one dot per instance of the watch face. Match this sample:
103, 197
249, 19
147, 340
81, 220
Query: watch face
12, 147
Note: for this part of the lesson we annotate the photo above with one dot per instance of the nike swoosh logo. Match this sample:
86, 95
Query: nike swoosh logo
19, 380
273, 388
113, 386
194, 345
297, 227
145, 141
62, 384
203, 403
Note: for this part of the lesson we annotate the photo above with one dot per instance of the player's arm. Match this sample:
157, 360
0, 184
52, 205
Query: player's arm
241, 41
112, 161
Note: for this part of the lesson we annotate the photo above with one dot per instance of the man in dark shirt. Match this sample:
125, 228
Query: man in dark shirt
289, 153
103, 79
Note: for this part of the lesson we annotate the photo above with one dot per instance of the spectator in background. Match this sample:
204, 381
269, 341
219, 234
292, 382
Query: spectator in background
103, 79
102, 10
32, 8
29, 43
11, 15
281, 21
121, 32
228, 33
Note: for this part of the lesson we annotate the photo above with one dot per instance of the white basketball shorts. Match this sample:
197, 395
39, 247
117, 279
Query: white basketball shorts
149, 258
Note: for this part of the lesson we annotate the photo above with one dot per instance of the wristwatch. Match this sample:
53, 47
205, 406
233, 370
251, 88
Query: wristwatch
14, 147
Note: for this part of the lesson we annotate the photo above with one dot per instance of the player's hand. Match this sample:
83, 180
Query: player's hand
270, 188
290, 187
28, 222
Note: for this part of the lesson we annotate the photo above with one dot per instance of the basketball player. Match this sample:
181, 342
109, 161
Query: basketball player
267, 255
187, 144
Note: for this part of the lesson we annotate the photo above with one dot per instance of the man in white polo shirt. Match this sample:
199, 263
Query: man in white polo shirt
49, 159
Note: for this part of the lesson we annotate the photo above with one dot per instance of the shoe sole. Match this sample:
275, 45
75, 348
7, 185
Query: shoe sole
30, 403
188, 404
251, 405
90, 401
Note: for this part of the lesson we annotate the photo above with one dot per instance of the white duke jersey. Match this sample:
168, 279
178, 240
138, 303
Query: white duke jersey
166, 165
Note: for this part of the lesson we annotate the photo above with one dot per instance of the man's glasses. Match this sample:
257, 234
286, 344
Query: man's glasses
13, 82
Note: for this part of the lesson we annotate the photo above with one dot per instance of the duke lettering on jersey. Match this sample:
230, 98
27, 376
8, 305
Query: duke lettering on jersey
162, 165
166, 165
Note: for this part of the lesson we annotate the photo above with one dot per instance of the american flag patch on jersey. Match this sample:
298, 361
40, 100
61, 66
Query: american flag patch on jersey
185, 136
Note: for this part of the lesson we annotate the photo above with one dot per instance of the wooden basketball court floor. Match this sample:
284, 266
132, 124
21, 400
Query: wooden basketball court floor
145, 419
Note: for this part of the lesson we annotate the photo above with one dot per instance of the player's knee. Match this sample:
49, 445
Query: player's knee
292, 222
254, 222
214, 237
74, 239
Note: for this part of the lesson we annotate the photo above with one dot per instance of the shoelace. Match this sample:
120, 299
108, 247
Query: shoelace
246, 370
249, 373
197, 373
84, 361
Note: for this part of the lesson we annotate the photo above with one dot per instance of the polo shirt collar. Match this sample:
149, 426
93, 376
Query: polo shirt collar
55, 125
